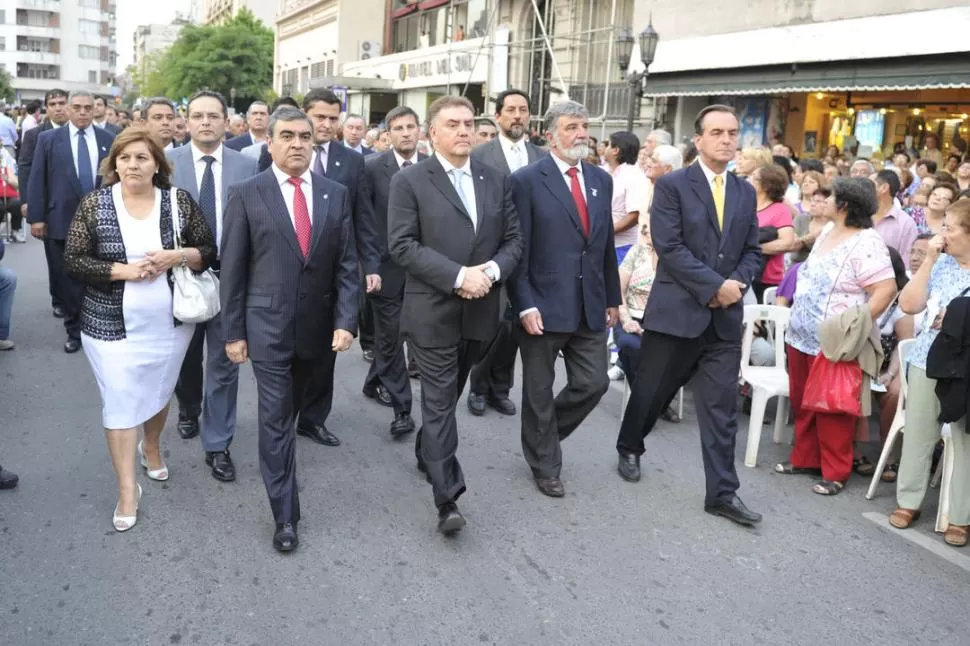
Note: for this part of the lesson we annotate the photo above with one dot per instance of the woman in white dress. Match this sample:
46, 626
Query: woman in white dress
121, 246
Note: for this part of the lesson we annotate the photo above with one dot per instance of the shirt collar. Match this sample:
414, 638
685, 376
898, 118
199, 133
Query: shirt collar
326, 147
709, 174
508, 144
564, 167
283, 178
400, 160
74, 129
466, 168
197, 154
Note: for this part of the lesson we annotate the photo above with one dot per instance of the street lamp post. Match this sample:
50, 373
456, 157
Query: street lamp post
648, 48
232, 97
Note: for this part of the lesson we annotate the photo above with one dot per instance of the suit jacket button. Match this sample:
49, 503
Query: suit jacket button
580, 277
720, 256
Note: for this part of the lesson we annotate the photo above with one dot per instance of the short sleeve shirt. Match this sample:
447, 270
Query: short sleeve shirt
629, 186
947, 281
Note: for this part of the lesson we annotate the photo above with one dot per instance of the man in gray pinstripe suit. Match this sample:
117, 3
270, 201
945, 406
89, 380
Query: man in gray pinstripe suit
289, 263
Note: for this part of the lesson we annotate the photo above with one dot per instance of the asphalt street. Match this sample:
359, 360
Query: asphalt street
611, 563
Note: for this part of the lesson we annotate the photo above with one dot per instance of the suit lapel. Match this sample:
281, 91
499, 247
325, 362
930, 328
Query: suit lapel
732, 195
63, 144
498, 156
103, 141
335, 166
532, 153
185, 173
481, 196
594, 197
557, 186
273, 197
441, 181
321, 210
698, 183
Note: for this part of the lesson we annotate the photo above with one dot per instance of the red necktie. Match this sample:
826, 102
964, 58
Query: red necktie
301, 214
579, 199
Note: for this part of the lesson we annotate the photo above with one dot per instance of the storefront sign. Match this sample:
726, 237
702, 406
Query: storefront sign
461, 63
454, 64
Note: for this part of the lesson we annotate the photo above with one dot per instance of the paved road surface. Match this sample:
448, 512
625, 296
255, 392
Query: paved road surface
611, 563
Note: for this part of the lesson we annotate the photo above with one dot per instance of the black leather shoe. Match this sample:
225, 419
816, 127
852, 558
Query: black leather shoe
735, 510
222, 467
285, 538
368, 355
503, 405
378, 393
8, 479
450, 519
476, 404
58, 312
188, 427
72, 345
402, 425
318, 434
552, 487
629, 467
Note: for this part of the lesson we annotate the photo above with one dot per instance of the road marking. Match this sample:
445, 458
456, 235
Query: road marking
936, 546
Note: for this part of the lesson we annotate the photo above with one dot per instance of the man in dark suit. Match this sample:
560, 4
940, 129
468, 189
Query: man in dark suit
57, 115
336, 162
64, 169
206, 169
158, 115
387, 380
101, 117
289, 295
257, 118
491, 379
452, 227
566, 291
705, 231
354, 129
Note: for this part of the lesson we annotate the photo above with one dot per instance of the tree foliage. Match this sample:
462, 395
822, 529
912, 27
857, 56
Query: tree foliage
6, 86
237, 54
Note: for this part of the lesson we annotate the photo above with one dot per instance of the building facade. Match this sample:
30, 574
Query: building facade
149, 39
69, 44
862, 76
216, 12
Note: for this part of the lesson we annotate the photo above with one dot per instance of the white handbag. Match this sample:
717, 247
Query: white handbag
195, 296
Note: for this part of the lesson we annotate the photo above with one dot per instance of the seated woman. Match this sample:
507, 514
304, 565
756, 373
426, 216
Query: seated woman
769, 184
636, 278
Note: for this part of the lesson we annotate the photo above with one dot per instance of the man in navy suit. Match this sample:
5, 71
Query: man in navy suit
354, 130
289, 295
705, 230
65, 169
336, 162
257, 118
566, 290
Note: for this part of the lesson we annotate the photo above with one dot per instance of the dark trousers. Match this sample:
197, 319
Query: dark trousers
549, 419
318, 398
280, 386
444, 372
365, 320
66, 288
389, 367
712, 365
51, 282
493, 375
11, 205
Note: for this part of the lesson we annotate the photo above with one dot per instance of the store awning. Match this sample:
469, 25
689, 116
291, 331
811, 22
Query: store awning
950, 71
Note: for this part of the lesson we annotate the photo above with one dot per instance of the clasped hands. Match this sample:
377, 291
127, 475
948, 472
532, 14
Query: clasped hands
729, 293
475, 283
153, 265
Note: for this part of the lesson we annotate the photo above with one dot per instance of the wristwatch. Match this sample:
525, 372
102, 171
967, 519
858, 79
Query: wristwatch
491, 272
185, 260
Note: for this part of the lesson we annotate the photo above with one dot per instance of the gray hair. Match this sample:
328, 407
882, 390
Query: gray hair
237, 118
255, 104
79, 93
662, 137
563, 109
287, 113
870, 169
355, 116
669, 156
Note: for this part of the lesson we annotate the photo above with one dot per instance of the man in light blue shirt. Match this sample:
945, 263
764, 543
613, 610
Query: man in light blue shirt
8, 133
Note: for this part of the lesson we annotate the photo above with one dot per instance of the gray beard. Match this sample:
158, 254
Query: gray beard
577, 153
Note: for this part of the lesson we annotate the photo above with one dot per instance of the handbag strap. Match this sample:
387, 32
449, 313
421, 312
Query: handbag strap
889, 312
175, 218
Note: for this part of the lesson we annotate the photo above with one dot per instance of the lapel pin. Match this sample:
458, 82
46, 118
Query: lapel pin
481, 177
336, 163
326, 196
593, 191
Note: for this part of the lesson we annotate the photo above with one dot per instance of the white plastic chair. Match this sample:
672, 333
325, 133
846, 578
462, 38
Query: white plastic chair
766, 382
770, 296
899, 421
943, 509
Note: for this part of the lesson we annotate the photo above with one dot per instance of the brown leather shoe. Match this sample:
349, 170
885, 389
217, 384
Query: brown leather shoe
552, 487
956, 535
903, 518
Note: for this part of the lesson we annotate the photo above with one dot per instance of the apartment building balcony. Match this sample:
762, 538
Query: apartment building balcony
38, 58
45, 72
52, 6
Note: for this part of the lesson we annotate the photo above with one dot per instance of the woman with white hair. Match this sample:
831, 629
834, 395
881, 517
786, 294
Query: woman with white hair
664, 159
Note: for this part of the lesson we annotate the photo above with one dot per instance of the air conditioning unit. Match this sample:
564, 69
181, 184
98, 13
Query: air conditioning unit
369, 49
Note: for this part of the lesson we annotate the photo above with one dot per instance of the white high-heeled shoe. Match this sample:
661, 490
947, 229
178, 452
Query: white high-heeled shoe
124, 523
159, 475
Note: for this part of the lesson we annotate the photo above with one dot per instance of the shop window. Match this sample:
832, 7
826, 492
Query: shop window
472, 17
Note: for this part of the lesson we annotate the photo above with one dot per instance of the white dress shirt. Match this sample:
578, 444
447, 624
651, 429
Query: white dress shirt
516, 156
468, 188
289, 191
710, 175
199, 166
400, 160
92, 142
326, 156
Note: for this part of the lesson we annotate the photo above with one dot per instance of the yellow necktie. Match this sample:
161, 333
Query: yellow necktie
719, 200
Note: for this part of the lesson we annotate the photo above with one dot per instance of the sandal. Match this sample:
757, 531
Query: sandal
890, 473
956, 535
903, 518
863, 466
788, 469
828, 487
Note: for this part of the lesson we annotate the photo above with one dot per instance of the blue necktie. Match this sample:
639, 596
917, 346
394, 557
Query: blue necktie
319, 167
84, 174
456, 179
207, 195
